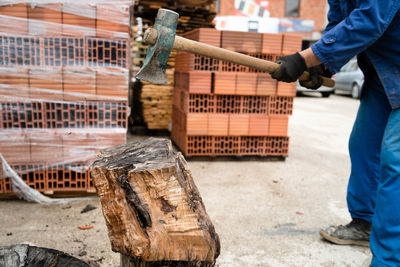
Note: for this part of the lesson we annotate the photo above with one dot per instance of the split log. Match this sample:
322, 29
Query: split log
153, 210
23, 255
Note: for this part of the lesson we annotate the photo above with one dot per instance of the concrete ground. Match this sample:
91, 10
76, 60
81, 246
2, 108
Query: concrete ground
267, 213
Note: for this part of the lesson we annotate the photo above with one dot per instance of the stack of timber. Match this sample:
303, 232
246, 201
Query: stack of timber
157, 103
192, 14
154, 213
156, 100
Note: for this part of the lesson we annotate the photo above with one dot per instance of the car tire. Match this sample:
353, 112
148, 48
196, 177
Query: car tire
355, 91
325, 94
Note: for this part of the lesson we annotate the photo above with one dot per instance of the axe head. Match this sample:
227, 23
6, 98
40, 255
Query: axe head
155, 64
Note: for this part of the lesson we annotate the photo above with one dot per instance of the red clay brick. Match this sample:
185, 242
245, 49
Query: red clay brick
247, 42
286, 89
228, 104
198, 103
199, 146
226, 145
188, 62
278, 125
113, 53
106, 114
112, 20
218, 124
252, 145
193, 82
291, 43
65, 114
246, 83
258, 125
45, 19
277, 146
79, 20
46, 146
255, 104
280, 105
15, 146
197, 124
13, 19
33, 174
22, 115
79, 144
238, 124
14, 82
266, 85
79, 83
63, 51
46, 84
224, 83
20, 51
71, 177
205, 35
272, 43
112, 83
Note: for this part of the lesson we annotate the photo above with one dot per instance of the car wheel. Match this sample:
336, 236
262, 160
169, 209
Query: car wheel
355, 91
325, 94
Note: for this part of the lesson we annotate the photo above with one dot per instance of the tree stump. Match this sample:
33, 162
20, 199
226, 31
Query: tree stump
153, 210
23, 255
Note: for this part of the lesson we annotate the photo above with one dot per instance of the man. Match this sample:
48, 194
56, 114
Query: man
369, 30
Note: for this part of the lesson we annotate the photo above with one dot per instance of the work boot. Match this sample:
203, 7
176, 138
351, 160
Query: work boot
355, 233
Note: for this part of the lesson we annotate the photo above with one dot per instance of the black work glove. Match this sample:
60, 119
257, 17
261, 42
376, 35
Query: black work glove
315, 80
290, 69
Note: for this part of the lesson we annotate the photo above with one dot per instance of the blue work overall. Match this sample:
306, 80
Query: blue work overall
374, 186
371, 29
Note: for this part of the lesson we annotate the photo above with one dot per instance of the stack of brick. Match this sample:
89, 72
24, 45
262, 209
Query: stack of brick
220, 108
64, 79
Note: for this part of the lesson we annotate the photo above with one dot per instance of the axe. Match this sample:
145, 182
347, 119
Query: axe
161, 40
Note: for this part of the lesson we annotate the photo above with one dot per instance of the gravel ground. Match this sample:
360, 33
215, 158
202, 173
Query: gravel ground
267, 213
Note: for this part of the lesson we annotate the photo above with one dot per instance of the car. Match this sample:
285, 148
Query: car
349, 79
323, 90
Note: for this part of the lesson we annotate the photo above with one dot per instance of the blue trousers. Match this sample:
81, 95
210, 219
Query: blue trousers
374, 185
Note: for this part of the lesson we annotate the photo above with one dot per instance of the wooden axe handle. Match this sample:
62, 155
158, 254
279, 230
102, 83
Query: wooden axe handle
186, 45
183, 44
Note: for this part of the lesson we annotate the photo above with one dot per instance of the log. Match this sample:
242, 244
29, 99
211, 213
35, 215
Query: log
23, 255
153, 210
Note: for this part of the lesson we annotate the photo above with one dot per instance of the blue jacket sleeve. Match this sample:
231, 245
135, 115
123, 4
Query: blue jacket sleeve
334, 14
355, 33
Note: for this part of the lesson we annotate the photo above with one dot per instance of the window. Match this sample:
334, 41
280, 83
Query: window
292, 8
353, 66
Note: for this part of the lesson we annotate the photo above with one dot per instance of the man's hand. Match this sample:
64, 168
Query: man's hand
290, 69
315, 80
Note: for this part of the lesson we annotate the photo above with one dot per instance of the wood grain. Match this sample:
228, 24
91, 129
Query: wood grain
153, 209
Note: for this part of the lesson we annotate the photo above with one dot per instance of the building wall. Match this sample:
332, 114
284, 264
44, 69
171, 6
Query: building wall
226, 7
309, 9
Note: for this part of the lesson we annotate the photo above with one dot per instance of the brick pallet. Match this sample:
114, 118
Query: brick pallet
220, 108
70, 178
64, 79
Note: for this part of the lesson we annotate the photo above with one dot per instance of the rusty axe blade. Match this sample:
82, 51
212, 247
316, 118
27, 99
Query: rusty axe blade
155, 64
